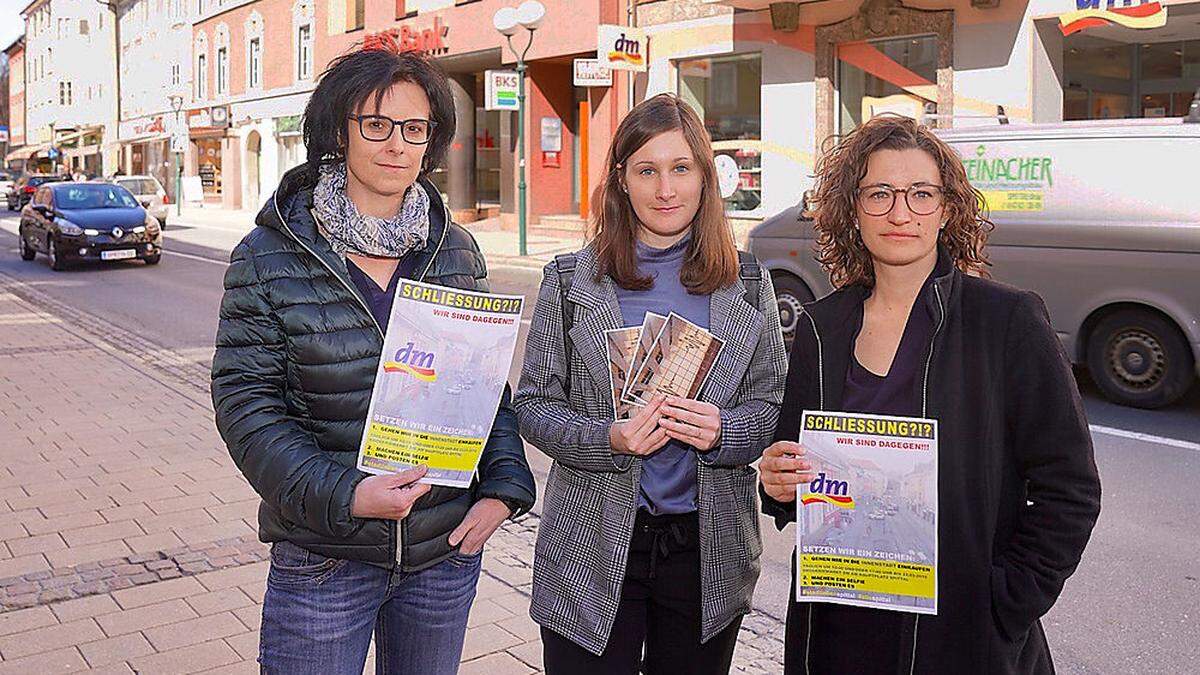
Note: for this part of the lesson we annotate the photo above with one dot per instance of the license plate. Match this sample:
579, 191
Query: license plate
118, 255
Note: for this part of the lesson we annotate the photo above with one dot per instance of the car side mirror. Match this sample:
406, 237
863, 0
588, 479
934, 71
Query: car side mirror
42, 209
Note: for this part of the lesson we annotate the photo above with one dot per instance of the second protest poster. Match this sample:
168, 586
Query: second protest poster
866, 525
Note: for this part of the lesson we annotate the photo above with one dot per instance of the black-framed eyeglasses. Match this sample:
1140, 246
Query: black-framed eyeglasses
878, 200
379, 128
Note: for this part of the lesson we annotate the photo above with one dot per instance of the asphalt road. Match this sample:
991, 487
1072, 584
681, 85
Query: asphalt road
1131, 607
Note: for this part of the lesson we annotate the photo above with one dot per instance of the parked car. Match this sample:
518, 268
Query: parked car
72, 222
24, 188
150, 193
1115, 254
6, 183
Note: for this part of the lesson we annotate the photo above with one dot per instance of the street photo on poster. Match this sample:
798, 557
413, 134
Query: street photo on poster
620, 344
652, 325
866, 525
445, 362
678, 362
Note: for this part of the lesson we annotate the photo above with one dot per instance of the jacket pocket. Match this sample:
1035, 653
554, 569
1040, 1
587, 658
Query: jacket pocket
295, 566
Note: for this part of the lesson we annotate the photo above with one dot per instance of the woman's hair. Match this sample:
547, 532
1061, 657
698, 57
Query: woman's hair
346, 87
711, 258
839, 245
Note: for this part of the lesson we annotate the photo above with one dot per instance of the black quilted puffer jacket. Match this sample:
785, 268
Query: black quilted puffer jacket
297, 352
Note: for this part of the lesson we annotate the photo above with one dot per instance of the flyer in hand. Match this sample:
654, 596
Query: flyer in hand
621, 344
445, 362
678, 362
866, 526
652, 325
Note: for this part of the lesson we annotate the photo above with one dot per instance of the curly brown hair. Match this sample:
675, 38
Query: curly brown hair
839, 246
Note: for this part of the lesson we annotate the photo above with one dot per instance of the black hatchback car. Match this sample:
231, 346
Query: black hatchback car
24, 188
72, 222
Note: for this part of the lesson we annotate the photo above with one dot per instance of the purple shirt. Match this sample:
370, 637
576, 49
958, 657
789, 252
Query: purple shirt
668, 483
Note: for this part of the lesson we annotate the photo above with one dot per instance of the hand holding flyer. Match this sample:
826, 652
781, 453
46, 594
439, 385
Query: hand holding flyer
866, 525
445, 362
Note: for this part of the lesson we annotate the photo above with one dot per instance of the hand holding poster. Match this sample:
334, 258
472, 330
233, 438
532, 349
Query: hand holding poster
866, 526
445, 362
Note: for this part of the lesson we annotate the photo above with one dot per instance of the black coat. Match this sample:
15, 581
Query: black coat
1011, 431
297, 352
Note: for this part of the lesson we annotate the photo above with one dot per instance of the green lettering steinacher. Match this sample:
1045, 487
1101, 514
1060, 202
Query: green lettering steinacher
1011, 169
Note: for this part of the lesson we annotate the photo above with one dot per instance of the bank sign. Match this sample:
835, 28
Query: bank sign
1139, 14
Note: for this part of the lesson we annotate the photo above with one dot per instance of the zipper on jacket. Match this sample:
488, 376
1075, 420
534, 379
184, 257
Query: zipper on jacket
808, 638
929, 359
820, 359
912, 662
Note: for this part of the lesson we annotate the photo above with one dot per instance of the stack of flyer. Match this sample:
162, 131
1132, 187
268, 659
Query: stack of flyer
666, 355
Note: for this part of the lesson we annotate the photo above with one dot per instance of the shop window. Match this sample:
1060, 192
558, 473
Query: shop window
1106, 78
886, 76
726, 92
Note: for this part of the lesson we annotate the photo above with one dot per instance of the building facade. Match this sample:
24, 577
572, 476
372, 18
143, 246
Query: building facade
156, 37
774, 80
254, 66
14, 93
70, 86
480, 175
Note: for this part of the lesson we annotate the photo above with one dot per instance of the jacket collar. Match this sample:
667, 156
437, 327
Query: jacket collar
289, 210
838, 318
731, 319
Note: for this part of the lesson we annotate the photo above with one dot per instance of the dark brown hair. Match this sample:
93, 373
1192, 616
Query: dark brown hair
840, 247
711, 258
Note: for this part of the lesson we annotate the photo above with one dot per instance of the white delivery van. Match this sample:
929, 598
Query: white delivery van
1102, 219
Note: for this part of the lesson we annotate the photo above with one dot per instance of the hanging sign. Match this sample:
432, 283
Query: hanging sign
622, 47
1088, 14
500, 89
592, 73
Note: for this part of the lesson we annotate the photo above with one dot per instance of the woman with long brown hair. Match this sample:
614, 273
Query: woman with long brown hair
915, 330
649, 539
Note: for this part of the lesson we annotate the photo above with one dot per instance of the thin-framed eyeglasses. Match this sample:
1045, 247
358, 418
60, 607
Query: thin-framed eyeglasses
879, 199
379, 128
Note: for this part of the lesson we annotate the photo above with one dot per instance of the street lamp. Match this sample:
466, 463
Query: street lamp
177, 105
508, 21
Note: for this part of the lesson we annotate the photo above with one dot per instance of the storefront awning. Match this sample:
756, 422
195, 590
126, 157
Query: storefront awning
26, 152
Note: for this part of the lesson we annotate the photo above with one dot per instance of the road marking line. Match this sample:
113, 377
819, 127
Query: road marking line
1149, 438
223, 263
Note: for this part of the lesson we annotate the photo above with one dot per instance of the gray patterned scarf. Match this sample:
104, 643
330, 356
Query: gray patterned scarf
349, 231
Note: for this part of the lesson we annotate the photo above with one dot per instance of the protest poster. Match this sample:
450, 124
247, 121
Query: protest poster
866, 525
445, 362
678, 363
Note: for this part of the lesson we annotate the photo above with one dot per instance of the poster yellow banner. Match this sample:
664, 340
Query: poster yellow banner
867, 575
387, 446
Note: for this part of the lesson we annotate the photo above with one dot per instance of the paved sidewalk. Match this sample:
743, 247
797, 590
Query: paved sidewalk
127, 537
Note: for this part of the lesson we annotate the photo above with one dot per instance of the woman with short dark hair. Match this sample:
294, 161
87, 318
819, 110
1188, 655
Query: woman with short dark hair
308, 295
915, 330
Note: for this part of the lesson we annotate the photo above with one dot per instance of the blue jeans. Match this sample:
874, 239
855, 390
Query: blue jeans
319, 614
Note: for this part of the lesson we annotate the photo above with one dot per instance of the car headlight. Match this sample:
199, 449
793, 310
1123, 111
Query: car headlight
68, 228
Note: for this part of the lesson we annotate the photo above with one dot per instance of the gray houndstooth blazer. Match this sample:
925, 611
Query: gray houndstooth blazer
591, 495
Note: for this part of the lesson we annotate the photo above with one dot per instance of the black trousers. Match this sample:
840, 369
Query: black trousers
657, 630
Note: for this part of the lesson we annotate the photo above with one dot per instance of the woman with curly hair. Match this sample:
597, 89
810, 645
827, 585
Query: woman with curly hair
915, 329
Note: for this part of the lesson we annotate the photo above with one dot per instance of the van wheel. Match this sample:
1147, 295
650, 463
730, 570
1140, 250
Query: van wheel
790, 294
1140, 359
